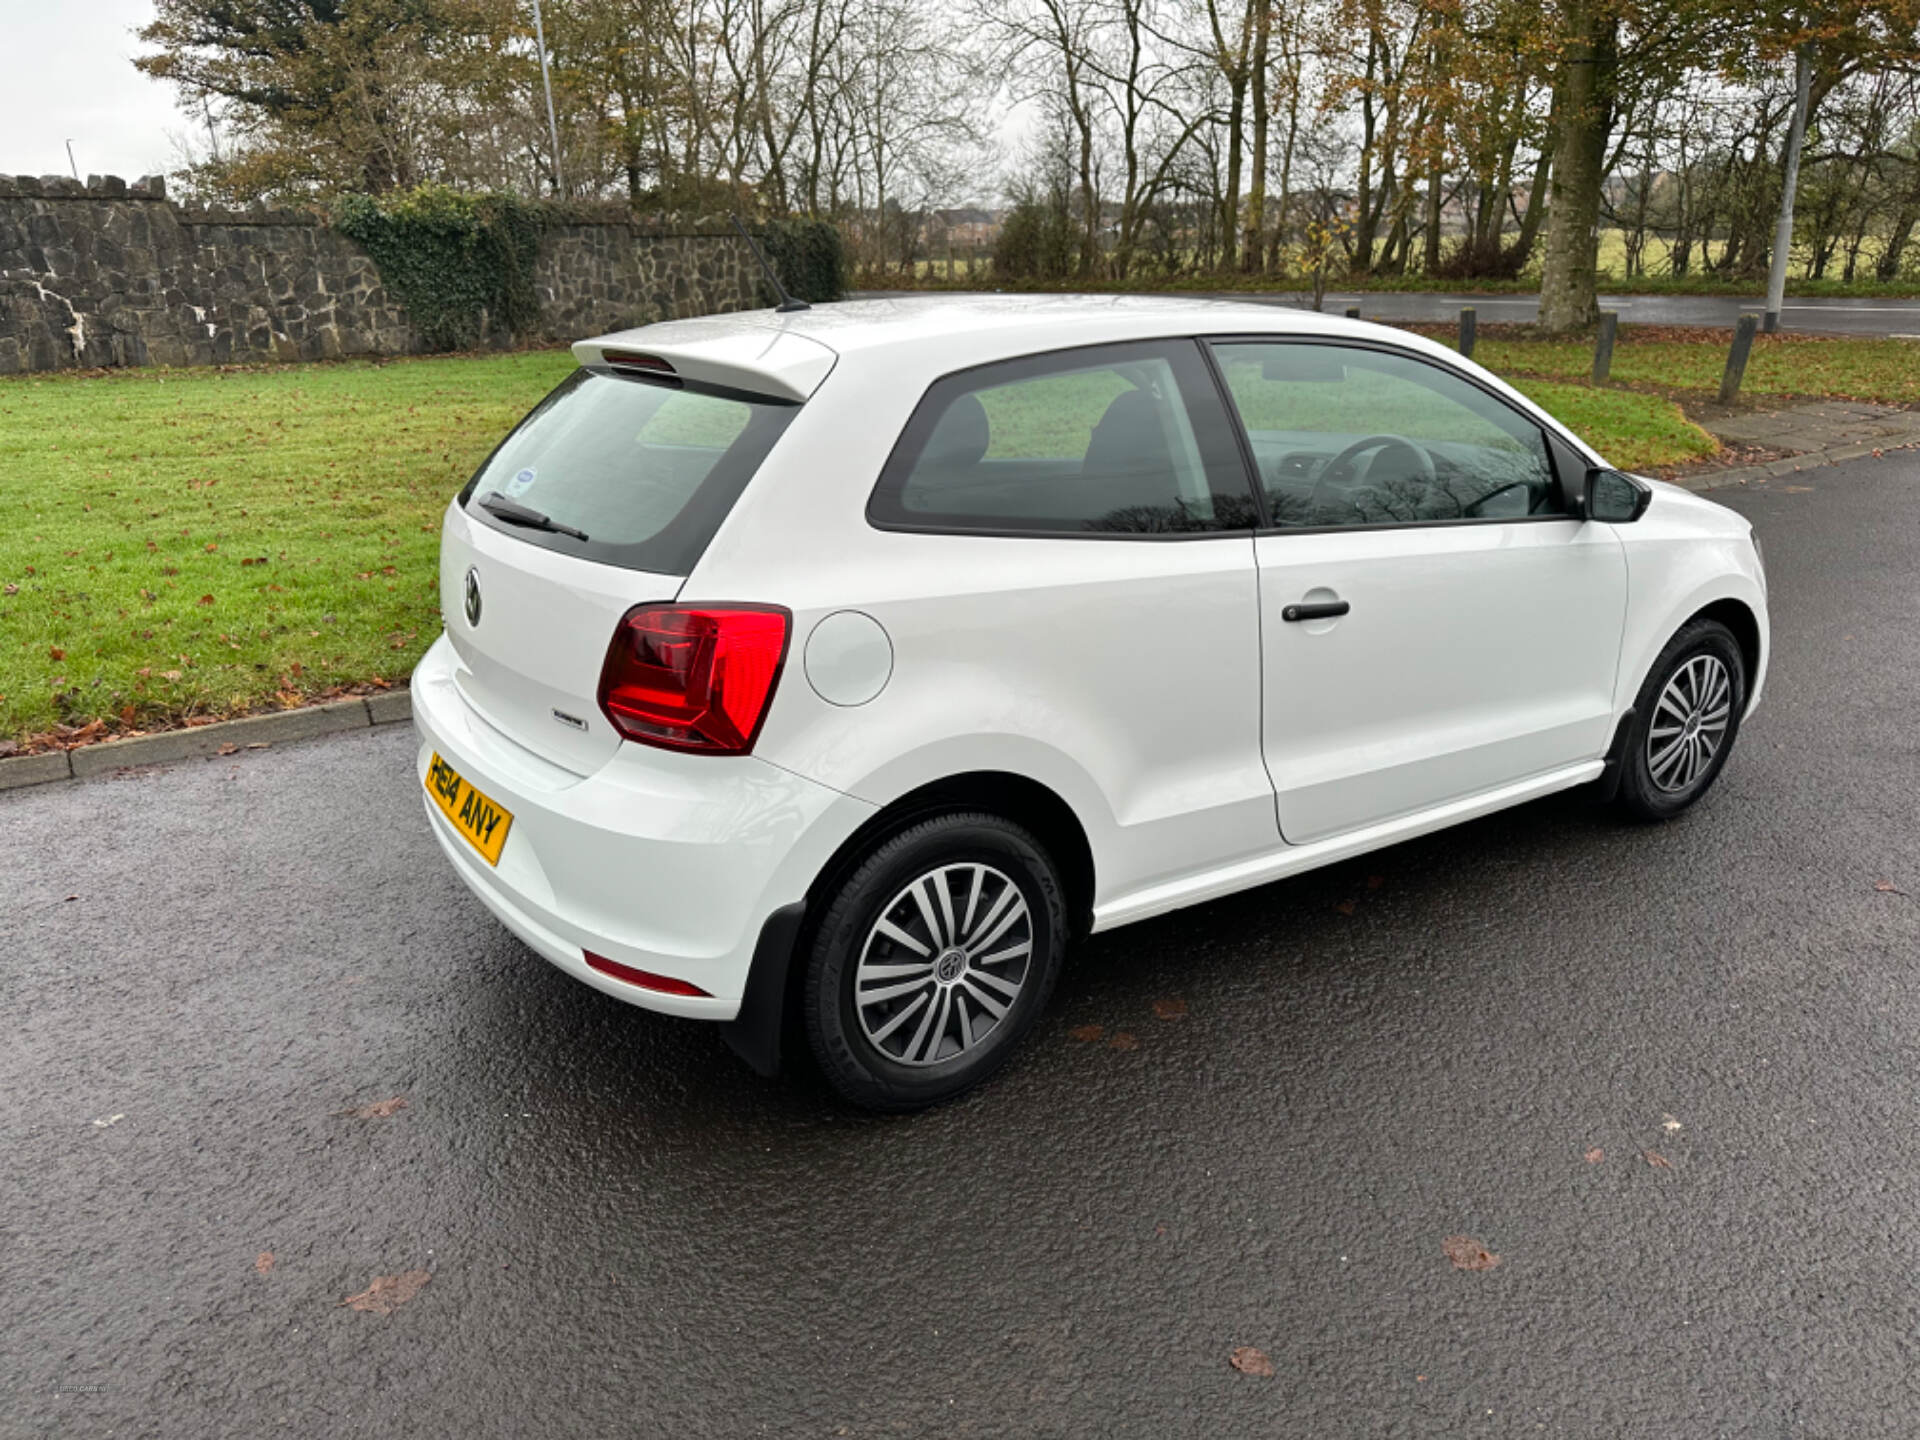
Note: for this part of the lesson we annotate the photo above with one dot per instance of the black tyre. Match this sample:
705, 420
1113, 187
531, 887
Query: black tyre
932, 960
1685, 722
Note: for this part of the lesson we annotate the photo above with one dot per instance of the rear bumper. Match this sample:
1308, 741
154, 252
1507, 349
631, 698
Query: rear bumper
663, 862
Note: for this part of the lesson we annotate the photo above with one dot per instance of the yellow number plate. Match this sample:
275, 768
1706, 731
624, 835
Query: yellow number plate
483, 823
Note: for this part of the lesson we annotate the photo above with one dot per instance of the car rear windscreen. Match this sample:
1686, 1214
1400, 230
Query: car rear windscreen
646, 470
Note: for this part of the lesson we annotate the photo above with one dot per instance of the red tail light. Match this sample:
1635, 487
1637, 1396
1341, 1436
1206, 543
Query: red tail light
645, 979
694, 678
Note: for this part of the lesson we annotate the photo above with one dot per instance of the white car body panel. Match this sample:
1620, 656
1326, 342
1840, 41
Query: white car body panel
664, 862
1474, 655
1128, 676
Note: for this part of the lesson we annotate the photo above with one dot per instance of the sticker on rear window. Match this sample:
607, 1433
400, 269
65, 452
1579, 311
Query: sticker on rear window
520, 484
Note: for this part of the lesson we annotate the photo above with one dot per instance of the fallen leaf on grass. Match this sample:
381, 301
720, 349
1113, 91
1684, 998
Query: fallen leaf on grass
1170, 1007
1087, 1034
1466, 1253
1657, 1160
56, 653
378, 1110
387, 1293
1123, 1040
1249, 1361
1596, 1155
263, 1262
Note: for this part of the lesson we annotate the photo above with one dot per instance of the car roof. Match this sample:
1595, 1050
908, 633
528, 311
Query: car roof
1025, 322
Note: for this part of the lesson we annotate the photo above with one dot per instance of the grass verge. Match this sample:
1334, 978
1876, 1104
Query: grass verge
202, 543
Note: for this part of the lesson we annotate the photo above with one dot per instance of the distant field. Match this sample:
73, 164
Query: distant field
1655, 276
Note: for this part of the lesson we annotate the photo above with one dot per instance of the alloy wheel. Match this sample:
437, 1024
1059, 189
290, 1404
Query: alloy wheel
1689, 723
943, 964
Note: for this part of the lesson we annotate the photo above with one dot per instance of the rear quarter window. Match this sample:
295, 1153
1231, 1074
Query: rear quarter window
646, 470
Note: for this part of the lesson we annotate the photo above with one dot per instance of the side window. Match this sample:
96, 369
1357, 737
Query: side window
1349, 436
1110, 440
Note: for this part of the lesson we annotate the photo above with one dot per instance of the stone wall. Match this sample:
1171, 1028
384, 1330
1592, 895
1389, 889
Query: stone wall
109, 273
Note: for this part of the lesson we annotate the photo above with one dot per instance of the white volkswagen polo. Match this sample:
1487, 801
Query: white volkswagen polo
826, 672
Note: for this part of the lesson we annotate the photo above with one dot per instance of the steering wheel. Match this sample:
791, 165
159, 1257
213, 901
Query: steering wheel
1423, 462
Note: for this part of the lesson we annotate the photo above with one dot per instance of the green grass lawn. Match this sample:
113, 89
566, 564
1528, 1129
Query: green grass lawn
188, 543
1883, 370
200, 543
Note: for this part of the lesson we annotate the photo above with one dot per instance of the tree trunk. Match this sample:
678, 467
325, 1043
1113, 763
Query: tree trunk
1567, 300
1436, 198
1363, 191
1253, 251
1230, 202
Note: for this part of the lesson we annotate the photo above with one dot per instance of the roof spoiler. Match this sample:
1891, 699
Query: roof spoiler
753, 358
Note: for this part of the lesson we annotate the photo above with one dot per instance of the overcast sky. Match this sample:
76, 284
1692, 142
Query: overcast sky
66, 73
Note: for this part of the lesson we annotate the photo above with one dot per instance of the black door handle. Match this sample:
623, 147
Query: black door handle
1316, 610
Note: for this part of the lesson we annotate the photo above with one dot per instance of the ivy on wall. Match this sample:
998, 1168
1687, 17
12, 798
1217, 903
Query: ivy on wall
807, 255
461, 263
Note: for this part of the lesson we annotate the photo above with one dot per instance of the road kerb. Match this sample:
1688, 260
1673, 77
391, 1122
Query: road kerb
34, 769
1809, 460
390, 707
170, 745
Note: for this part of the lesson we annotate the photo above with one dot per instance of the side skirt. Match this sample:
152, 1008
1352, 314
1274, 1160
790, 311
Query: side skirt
1293, 859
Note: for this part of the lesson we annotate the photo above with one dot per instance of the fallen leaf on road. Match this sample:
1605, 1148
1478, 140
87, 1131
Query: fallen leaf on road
1346, 907
388, 1293
1249, 1361
1087, 1034
104, 1121
1170, 1007
1467, 1253
259, 744
1123, 1040
1669, 1124
1657, 1160
1887, 887
1596, 1155
1796, 489
229, 749
263, 1262
378, 1110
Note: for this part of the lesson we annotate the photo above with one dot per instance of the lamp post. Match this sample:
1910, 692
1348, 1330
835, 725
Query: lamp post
546, 81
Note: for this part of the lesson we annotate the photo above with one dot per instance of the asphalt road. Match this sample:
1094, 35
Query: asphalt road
1815, 316
1489, 1033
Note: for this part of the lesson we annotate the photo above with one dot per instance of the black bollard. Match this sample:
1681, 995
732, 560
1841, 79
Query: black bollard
1467, 319
1737, 358
1603, 347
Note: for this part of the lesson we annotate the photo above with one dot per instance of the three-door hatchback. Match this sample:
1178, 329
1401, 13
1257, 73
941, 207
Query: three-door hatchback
828, 671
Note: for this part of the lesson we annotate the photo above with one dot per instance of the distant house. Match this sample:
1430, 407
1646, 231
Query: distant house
964, 228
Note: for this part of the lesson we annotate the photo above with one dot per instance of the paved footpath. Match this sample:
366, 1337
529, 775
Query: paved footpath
1666, 1075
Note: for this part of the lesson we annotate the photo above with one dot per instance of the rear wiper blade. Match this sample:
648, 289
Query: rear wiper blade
514, 513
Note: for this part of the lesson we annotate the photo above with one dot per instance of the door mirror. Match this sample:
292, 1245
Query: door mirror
1614, 497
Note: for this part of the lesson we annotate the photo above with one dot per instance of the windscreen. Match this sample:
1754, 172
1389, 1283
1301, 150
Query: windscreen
644, 470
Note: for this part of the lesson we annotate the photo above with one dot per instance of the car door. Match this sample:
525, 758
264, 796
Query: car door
1435, 625
1074, 547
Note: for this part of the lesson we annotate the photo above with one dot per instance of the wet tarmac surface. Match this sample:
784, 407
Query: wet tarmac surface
1666, 1075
